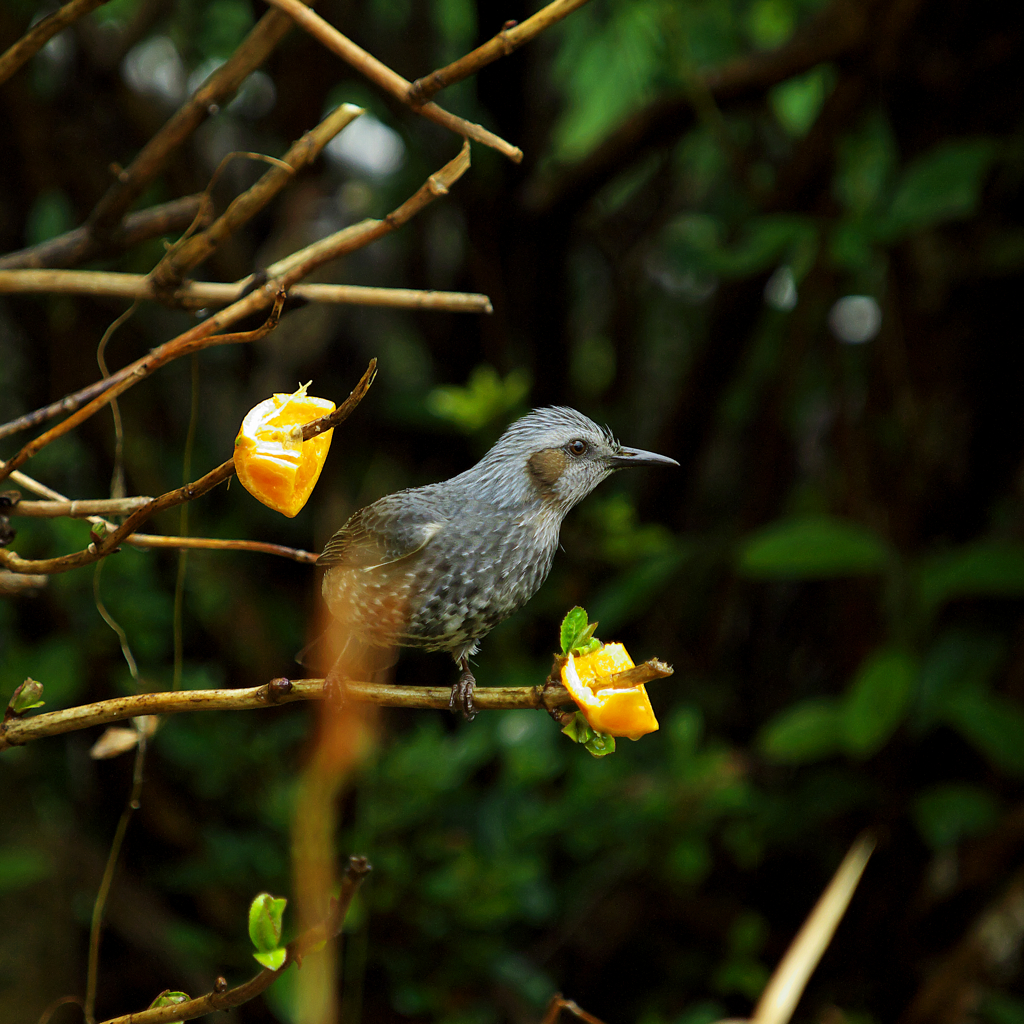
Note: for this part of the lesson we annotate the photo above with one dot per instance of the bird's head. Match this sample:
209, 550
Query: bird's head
559, 455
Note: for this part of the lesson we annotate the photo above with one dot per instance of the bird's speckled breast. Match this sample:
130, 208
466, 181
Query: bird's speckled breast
453, 591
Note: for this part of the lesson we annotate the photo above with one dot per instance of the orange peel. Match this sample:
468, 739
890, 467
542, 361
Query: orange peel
272, 461
615, 711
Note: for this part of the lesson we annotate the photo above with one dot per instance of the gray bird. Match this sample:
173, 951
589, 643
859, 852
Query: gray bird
438, 567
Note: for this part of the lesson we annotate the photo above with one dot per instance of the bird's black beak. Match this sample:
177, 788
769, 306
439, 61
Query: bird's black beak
637, 457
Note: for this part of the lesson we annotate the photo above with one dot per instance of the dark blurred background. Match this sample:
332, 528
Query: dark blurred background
778, 240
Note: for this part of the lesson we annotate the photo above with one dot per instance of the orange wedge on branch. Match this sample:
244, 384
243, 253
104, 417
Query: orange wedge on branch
608, 708
272, 461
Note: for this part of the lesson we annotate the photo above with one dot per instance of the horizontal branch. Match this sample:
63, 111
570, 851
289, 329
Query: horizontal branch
504, 43
19, 583
390, 81
83, 509
157, 540
81, 246
199, 294
222, 997
17, 731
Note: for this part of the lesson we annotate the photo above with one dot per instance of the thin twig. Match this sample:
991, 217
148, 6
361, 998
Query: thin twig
17, 731
223, 997
41, 33
79, 245
198, 294
558, 1003
645, 672
389, 80
156, 540
505, 42
94, 510
131, 805
170, 271
83, 509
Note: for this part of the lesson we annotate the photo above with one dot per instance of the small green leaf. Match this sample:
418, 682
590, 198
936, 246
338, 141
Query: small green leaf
577, 634
272, 958
485, 398
947, 813
579, 731
600, 744
807, 731
27, 696
985, 569
577, 728
993, 724
877, 701
169, 998
813, 548
265, 915
798, 101
940, 185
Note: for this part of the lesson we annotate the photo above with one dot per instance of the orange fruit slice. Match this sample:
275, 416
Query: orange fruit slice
272, 461
616, 711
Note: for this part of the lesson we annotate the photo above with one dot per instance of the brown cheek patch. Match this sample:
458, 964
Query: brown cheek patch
546, 468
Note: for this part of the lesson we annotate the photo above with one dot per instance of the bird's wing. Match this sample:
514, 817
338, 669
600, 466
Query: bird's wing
382, 533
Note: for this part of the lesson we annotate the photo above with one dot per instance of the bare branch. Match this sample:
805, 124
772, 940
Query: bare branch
41, 33
223, 997
17, 731
172, 268
505, 42
80, 246
388, 80
200, 294
83, 509
645, 672
153, 540
559, 1003
19, 583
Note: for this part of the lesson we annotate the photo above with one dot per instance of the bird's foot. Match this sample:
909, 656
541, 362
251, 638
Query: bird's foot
462, 694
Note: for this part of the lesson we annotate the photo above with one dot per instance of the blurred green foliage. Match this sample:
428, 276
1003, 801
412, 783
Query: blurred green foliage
836, 571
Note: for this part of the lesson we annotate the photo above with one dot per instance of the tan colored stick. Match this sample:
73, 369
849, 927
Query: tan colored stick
505, 42
41, 33
17, 731
198, 294
390, 81
786, 986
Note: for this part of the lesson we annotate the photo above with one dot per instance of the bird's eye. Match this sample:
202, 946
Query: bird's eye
578, 447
